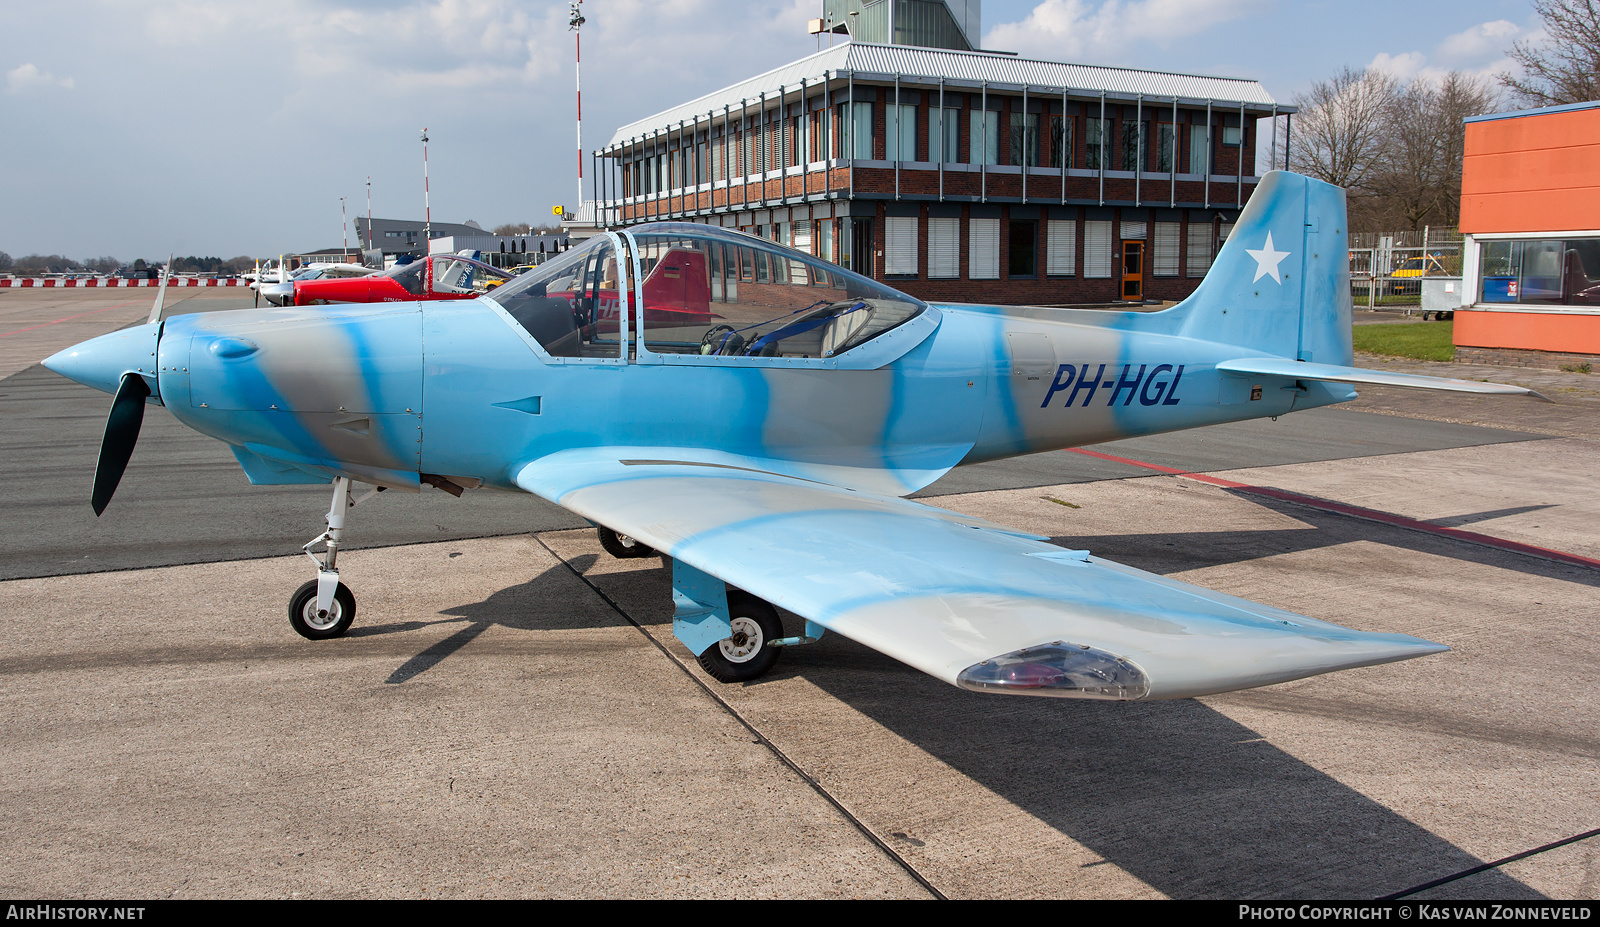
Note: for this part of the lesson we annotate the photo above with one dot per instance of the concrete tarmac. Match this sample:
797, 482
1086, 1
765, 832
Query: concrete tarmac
511, 717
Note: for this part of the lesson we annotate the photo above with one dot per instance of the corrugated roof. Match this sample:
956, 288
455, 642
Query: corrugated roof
926, 65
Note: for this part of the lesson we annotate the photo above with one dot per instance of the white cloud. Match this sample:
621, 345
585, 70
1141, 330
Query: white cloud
1485, 41
28, 77
1073, 29
1403, 66
1478, 50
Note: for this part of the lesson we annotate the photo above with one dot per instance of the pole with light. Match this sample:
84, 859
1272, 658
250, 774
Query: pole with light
344, 230
576, 25
427, 211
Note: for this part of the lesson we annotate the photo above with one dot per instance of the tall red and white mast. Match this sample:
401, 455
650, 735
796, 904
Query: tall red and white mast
576, 25
427, 211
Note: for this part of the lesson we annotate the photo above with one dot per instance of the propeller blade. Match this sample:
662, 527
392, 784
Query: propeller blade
161, 294
122, 433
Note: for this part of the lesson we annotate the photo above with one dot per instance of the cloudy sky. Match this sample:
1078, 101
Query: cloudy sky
138, 127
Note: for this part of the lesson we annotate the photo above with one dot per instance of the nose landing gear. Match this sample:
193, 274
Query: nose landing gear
324, 607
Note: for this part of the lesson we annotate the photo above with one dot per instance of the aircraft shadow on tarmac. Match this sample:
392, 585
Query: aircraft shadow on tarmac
1176, 794
1176, 552
525, 607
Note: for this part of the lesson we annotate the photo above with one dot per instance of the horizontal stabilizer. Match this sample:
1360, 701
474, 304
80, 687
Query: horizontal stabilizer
1302, 370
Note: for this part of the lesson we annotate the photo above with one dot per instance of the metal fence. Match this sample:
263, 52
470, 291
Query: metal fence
1386, 268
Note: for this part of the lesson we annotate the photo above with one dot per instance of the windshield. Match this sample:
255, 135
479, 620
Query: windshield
456, 274
711, 291
408, 276
569, 304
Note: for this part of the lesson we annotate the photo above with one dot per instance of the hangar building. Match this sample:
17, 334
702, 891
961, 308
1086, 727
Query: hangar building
1530, 211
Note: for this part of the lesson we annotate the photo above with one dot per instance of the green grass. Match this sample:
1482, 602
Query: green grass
1421, 340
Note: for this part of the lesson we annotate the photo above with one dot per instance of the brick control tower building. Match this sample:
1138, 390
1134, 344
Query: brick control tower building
955, 174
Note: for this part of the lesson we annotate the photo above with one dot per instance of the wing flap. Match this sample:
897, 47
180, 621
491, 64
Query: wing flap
1304, 370
943, 592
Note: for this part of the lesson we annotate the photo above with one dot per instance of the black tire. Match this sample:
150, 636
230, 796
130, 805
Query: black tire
621, 546
749, 653
303, 617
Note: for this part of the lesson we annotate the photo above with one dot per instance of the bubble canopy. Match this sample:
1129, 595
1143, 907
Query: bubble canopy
703, 292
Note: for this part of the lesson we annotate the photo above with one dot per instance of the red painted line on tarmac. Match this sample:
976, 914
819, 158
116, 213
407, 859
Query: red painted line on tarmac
80, 315
50, 282
1354, 511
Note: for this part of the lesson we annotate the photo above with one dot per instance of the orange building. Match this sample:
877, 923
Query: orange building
1530, 210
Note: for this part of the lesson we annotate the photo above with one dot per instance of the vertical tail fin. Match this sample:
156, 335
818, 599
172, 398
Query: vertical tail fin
1281, 283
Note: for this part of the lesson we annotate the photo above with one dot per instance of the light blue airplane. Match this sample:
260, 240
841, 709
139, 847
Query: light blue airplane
756, 415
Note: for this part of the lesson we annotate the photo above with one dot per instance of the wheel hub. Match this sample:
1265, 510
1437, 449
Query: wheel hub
744, 643
322, 620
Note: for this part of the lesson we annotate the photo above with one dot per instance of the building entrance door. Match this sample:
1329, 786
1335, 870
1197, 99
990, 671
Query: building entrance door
1133, 270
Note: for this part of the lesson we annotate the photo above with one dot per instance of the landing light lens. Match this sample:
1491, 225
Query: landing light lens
1062, 669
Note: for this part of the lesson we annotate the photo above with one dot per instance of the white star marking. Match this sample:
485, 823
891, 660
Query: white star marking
1267, 261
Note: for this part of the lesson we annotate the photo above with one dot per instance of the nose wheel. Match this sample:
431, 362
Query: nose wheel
324, 607
317, 624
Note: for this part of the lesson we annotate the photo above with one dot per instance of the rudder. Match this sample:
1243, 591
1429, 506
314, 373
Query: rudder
1281, 283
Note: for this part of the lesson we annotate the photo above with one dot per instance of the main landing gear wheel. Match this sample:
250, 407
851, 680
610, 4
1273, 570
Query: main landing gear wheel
621, 546
308, 623
749, 653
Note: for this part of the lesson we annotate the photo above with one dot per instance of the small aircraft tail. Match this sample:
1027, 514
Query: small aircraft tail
1281, 283
1281, 286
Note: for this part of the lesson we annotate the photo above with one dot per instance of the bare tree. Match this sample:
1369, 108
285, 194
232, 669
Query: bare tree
512, 228
1566, 67
1459, 96
1416, 179
1341, 127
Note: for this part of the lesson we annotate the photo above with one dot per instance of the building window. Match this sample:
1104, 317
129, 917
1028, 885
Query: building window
1097, 248
984, 142
1199, 248
1060, 247
1135, 137
1024, 248
944, 248
857, 140
1025, 139
900, 135
1097, 144
1166, 147
900, 245
983, 249
802, 237
1060, 141
1230, 136
1164, 258
944, 134
1541, 272
825, 239
820, 121
1200, 152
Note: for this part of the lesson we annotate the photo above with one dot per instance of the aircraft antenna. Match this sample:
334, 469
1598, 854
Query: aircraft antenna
576, 25
427, 211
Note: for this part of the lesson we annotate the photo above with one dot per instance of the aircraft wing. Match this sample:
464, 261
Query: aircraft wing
1304, 370
967, 601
